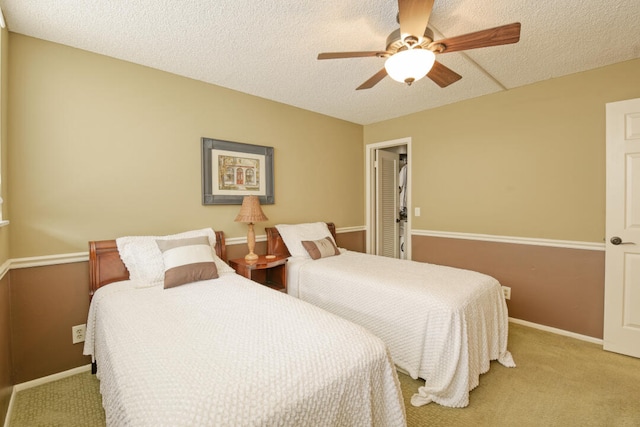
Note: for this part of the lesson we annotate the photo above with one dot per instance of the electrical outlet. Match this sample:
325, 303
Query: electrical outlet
78, 332
506, 291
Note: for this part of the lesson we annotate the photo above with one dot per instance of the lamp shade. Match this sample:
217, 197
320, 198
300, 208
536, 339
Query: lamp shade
251, 211
408, 66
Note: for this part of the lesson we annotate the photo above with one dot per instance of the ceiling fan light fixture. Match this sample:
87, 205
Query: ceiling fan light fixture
408, 66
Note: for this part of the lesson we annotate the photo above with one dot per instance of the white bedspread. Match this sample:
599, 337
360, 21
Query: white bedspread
441, 324
230, 352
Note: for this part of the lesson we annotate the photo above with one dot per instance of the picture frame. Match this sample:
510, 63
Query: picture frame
232, 170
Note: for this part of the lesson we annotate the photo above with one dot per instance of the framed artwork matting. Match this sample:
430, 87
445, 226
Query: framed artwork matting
232, 170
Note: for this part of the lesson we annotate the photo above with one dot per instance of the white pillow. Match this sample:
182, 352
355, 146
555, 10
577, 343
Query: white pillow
143, 258
294, 234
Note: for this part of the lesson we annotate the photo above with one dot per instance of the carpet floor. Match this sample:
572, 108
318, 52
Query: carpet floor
559, 381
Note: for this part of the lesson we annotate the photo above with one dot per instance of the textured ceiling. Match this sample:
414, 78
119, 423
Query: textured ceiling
269, 48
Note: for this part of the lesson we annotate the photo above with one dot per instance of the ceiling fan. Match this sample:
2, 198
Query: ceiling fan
411, 50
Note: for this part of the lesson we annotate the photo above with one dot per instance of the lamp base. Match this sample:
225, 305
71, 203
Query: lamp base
251, 257
251, 243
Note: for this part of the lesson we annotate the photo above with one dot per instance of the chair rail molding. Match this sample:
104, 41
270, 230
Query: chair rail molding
39, 261
567, 244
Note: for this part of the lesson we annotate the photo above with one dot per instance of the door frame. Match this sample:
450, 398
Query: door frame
370, 191
621, 331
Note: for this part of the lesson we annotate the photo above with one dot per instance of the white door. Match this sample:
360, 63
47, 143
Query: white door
387, 204
622, 264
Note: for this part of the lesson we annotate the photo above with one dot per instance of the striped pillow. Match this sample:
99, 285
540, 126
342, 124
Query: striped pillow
320, 248
187, 260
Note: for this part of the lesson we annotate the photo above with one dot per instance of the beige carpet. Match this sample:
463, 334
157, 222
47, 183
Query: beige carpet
559, 381
70, 402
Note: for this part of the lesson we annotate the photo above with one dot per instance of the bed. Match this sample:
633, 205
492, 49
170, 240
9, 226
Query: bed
442, 324
224, 351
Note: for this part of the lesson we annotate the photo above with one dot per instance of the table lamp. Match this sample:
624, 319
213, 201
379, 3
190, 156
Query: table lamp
251, 212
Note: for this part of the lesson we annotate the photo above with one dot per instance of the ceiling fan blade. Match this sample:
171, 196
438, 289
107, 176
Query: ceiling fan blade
497, 36
339, 55
413, 16
373, 80
442, 75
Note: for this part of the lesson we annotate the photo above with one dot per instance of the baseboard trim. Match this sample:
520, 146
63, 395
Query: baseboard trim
39, 381
557, 331
52, 377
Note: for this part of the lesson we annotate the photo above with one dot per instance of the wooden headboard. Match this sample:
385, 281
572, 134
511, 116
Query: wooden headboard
276, 246
106, 266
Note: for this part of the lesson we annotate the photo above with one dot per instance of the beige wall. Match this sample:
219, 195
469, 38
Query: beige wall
102, 148
4, 140
5, 293
527, 162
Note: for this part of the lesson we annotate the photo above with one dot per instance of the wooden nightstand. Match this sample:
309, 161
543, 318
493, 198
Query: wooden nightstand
269, 272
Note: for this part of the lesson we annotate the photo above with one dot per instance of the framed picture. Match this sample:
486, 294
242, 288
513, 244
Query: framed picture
232, 170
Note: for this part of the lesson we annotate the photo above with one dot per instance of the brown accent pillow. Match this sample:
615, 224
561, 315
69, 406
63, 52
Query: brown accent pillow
320, 248
187, 260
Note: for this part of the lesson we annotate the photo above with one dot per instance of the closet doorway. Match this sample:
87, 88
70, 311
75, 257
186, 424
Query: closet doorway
388, 198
